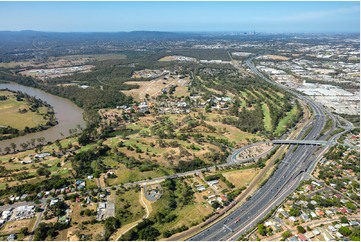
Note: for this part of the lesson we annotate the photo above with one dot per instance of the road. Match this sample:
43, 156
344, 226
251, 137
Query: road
38, 221
291, 171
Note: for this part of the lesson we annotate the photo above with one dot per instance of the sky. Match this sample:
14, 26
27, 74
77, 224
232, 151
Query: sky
307, 17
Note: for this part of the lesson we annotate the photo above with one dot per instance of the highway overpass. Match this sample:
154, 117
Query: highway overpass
302, 142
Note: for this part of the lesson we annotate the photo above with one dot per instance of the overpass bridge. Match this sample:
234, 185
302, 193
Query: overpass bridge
302, 142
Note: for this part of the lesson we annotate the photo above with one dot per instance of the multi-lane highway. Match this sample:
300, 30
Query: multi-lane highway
293, 168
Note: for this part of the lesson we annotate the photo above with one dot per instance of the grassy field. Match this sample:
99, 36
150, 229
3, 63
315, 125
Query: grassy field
77, 219
154, 88
233, 134
10, 116
267, 117
16, 167
152, 151
91, 184
128, 207
77, 208
240, 178
282, 125
186, 215
15, 226
125, 175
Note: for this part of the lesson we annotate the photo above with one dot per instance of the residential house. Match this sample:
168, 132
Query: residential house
329, 212
316, 232
331, 228
309, 235
342, 210
313, 215
338, 235
326, 235
11, 237
302, 237
305, 217
293, 219
354, 223
319, 212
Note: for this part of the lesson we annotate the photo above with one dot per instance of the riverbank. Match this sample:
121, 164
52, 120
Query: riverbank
22, 114
69, 116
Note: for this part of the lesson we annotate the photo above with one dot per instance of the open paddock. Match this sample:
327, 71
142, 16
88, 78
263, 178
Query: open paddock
240, 178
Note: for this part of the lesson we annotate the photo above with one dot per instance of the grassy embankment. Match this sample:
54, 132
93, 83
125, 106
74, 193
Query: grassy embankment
10, 115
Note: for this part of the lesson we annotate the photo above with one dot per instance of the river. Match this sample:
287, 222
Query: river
69, 116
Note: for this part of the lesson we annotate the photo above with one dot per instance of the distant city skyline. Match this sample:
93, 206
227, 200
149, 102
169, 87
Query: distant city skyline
306, 17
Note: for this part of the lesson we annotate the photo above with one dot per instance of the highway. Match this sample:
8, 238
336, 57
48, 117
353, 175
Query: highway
291, 171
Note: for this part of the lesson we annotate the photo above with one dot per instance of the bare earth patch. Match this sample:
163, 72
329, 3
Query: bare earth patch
15, 226
240, 178
154, 88
276, 57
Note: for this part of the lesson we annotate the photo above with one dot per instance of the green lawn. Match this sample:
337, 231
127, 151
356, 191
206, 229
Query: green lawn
131, 175
10, 116
282, 125
243, 103
250, 93
91, 184
266, 117
244, 94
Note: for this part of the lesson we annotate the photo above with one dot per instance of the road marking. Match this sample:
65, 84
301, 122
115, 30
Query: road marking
225, 226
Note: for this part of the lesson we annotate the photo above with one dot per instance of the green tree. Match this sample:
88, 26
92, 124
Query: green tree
262, 230
343, 219
41, 171
110, 225
24, 231
301, 229
286, 234
311, 206
149, 234
294, 212
355, 236
345, 231
350, 205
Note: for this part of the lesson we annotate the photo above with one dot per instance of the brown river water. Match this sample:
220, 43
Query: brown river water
69, 116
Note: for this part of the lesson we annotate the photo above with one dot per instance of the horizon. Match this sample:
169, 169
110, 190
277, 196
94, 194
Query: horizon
175, 32
110, 17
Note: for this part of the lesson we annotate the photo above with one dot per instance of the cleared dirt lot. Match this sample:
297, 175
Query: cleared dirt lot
15, 226
276, 57
154, 87
240, 178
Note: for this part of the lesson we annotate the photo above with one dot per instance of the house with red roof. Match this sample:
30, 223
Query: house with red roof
309, 188
342, 210
338, 195
319, 212
302, 237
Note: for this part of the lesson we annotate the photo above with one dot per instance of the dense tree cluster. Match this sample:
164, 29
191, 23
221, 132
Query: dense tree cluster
250, 117
54, 182
89, 162
48, 231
